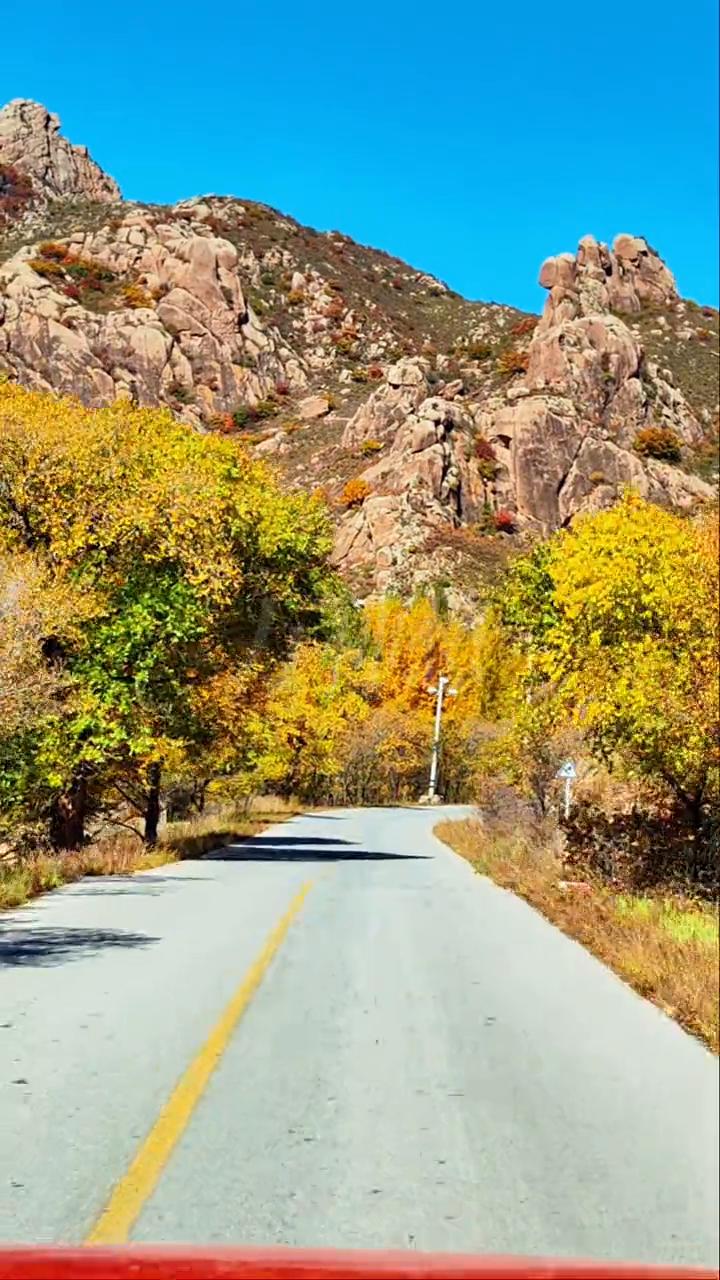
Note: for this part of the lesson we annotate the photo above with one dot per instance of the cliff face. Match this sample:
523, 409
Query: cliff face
567, 431
462, 425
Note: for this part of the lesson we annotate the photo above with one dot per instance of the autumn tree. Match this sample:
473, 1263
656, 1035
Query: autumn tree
618, 621
191, 560
352, 720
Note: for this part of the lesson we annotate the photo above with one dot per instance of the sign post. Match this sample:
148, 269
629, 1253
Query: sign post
568, 773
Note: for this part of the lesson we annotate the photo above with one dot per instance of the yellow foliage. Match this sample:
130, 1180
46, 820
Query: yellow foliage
136, 484
160, 563
633, 647
356, 724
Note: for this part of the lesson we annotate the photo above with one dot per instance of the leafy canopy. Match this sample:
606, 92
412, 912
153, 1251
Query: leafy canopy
184, 556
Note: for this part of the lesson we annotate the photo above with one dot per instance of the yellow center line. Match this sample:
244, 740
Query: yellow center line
133, 1190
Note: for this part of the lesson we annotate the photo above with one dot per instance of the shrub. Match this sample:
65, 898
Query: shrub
484, 449
72, 291
240, 415
16, 192
264, 408
597, 477
135, 296
290, 428
486, 521
375, 373
43, 268
658, 442
505, 521
478, 350
513, 361
527, 325
267, 278
103, 274
359, 375
78, 270
335, 309
487, 461
355, 493
53, 252
91, 284
371, 446
396, 283
183, 395
295, 297
282, 388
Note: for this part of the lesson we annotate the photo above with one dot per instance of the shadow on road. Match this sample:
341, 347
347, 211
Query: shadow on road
299, 849
128, 886
38, 946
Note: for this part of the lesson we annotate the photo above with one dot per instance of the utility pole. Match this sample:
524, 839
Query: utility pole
440, 690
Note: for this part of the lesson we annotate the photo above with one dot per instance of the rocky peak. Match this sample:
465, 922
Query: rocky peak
570, 428
440, 431
30, 140
626, 278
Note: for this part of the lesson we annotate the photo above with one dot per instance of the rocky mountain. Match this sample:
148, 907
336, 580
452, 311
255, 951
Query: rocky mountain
440, 430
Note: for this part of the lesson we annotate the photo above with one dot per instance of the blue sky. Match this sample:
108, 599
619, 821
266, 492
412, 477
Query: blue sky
470, 139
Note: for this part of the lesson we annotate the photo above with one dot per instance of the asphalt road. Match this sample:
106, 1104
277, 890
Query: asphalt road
426, 1063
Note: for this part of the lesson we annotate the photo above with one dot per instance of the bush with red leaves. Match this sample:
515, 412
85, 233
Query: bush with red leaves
505, 521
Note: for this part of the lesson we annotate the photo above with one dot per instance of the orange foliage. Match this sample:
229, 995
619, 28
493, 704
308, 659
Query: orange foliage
355, 492
513, 361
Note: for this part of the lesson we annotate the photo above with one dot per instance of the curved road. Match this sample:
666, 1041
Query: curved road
416, 1059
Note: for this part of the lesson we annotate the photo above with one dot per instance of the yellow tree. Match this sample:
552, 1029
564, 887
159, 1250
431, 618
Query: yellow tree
621, 615
194, 560
304, 720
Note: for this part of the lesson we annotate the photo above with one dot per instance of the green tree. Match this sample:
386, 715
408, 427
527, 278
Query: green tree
190, 562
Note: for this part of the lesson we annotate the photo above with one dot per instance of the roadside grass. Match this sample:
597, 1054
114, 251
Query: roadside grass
666, 947
121, 853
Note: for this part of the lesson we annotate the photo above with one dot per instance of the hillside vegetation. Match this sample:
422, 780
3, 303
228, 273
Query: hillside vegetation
169, 620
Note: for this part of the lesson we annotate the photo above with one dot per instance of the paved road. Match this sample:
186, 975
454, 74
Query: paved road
426, 1063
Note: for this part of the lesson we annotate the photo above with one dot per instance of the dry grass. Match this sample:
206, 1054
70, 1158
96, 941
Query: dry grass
197, 836
38, 873
665, 947
122, 854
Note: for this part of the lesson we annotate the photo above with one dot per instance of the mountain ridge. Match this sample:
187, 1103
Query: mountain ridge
440, 430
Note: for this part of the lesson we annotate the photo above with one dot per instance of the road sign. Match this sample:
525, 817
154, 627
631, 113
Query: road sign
567, 770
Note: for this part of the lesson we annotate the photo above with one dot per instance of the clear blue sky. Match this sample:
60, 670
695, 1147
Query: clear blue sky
470, 139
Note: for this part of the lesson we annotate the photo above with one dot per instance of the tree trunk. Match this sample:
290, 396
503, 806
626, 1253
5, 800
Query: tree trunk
67, 819
152, 807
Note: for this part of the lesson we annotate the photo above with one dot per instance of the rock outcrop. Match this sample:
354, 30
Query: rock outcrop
564, 433
172, 325
30, 139
425, 475
596, 279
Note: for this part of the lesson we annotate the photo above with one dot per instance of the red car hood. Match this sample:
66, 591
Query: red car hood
173, 1263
